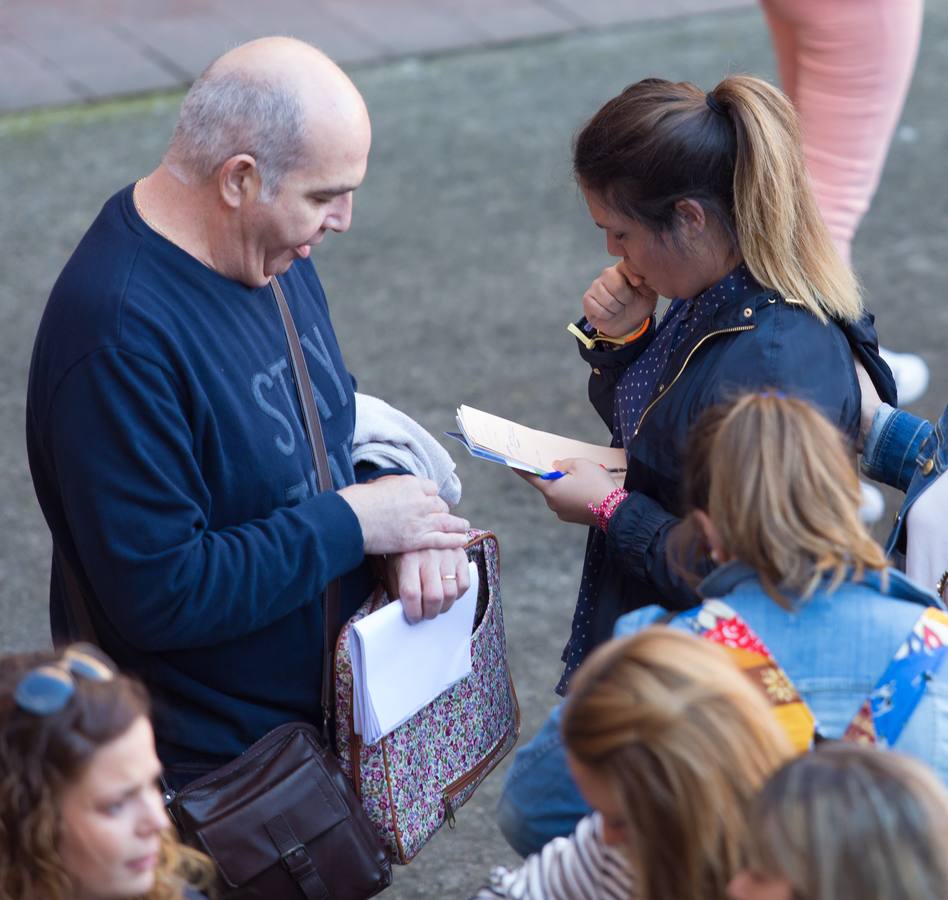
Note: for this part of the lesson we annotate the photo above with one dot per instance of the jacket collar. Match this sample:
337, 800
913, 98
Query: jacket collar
725, 302
726, 578
732, 303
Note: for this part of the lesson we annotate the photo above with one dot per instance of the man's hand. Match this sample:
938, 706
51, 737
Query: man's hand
400, 513
869, 404
618, 301
569, 497
422, 587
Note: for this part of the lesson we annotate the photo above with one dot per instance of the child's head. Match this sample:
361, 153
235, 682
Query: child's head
773, 485
848, 823
670, 742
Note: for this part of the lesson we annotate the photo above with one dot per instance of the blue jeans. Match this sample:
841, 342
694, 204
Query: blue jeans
540, 801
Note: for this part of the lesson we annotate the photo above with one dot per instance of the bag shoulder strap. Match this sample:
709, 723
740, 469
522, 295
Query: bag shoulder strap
882, 717
715, 621
886, 711
317, 445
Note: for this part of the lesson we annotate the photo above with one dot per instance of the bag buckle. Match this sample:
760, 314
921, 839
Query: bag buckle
297, 861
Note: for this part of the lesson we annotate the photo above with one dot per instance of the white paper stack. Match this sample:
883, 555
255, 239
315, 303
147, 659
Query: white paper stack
399, 668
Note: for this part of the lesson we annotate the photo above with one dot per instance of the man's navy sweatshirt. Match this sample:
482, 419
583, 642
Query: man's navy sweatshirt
168, 454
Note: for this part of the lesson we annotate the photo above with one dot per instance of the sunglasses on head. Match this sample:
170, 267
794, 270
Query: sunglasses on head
48, 688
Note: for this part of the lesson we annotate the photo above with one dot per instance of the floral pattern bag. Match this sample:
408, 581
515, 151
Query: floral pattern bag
414, 779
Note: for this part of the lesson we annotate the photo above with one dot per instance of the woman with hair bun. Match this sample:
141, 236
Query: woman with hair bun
81, 813
847, 823
705, 199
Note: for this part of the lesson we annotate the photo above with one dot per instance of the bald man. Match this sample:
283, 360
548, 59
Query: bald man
164, 432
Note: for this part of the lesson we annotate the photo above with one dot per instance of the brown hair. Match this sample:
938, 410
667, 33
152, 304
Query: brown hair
39, 756
848, 822
687, 740
659, 142
687, 549
783, 494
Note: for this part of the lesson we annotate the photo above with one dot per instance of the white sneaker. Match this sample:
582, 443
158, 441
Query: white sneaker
910, 372
872, 503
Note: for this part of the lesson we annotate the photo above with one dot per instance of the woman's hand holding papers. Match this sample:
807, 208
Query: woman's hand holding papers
428, 581
569, 497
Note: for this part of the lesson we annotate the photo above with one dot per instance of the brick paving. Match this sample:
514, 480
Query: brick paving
61, 52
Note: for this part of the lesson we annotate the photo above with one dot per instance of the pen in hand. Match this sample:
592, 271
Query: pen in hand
552, 476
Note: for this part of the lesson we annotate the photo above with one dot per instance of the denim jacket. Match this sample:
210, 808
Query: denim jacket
834, 646
908, 453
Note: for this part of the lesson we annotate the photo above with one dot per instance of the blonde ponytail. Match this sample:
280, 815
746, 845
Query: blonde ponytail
780, 230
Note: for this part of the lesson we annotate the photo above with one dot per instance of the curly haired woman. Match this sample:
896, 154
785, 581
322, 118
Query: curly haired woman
81, 814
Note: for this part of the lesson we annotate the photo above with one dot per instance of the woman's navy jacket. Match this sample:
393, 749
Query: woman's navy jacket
758, 341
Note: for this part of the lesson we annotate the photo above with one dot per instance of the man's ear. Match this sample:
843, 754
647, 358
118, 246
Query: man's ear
712, 538
691, 217
238, 180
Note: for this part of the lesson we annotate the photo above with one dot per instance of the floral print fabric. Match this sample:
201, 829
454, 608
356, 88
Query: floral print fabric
715, 621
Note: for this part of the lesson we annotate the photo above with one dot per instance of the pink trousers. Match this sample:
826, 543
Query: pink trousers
846, 65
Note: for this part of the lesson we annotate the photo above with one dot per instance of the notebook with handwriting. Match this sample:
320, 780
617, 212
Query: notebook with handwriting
491, 437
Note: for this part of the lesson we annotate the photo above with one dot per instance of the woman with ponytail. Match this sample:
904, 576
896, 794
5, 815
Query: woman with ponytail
704, 198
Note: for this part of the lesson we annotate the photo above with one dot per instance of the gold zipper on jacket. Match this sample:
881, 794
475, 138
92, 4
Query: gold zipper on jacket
691, 353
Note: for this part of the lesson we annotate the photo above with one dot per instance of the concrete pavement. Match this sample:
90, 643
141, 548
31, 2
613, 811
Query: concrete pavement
61, 52
469, 250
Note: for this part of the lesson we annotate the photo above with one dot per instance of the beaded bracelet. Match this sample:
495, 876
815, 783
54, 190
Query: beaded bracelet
603, 511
